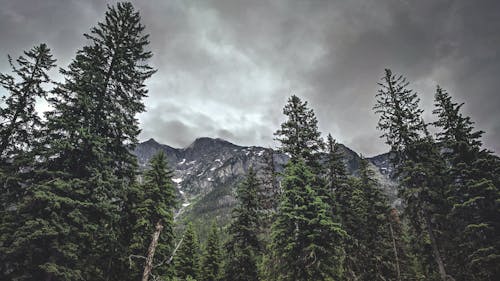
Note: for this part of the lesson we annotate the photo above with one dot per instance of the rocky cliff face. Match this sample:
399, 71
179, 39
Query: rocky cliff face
207, 172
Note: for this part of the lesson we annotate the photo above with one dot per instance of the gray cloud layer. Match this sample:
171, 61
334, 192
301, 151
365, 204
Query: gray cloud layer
226, 68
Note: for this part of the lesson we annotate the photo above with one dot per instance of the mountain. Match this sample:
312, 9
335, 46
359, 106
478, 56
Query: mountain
207, 172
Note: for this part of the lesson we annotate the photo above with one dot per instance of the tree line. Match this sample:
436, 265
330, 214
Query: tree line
75, 206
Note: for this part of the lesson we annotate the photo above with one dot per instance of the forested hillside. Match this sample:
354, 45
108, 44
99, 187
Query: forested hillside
82, 200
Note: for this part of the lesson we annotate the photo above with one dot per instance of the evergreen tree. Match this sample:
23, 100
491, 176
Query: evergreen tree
305, 240
187, 260
67, 225
403, 264
93, 124
400, 116
419, 165
337, 184
379, 262
270, 186
211, 262
352, 210
19, 119
152, 207
474, 178
336, 174
243, 245
299, 135
269, 192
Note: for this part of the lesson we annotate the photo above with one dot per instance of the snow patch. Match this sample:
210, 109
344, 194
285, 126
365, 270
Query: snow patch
183, 161
212, 169
177, 180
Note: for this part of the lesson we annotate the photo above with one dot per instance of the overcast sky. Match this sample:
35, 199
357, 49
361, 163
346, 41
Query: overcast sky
226, 68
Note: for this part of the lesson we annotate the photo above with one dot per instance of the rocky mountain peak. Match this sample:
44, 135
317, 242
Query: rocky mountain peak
151, 141
207, 172
206, 143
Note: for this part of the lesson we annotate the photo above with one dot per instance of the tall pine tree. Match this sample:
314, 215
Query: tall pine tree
306, 242
152, 205
379, 260
211, 266
20, 123
299, 135
474, 180
243, 246
18, 119
187, 260
68, 222
419, 165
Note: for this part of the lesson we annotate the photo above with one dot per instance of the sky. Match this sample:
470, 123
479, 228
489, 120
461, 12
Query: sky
226, 68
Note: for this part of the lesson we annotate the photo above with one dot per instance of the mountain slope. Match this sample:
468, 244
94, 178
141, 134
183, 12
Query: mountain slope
207, 172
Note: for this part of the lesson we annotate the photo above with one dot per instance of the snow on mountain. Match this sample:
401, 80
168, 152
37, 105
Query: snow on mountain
208, 171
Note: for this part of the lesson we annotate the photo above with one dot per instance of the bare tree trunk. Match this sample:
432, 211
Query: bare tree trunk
435, 250
175, 250
398, 271
148, 266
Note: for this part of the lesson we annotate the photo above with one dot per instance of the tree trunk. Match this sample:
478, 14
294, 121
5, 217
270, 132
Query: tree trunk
398, 271
151, 251
435, 249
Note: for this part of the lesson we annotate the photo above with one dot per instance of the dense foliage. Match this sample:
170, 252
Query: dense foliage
74, 205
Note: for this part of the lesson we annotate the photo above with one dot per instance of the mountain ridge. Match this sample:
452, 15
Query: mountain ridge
207, 172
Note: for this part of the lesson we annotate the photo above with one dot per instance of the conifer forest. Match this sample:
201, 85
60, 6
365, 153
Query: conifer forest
77, 204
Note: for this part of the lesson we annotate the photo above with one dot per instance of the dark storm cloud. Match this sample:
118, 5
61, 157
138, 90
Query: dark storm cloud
226, 68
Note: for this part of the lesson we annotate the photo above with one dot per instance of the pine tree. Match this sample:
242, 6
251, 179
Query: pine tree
67, 225
305, 240
269, 192
211, 262
352, 211
243, 245
19, 119
403, 265
187, 260
152, 207
400, 116
94, 120
270, 186
474, 178
337, 183
418, 162
379, 262
299, 135
336, 174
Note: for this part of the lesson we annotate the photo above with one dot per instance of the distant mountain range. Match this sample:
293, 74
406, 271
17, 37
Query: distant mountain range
208, 171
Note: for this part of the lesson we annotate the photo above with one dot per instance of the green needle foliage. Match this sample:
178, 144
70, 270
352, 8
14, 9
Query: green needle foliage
306, 243
153, 203
74, 204
66, 226
211, 266
243, 246
299, 135
473, 183
20, 124
19, 121
187, 260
